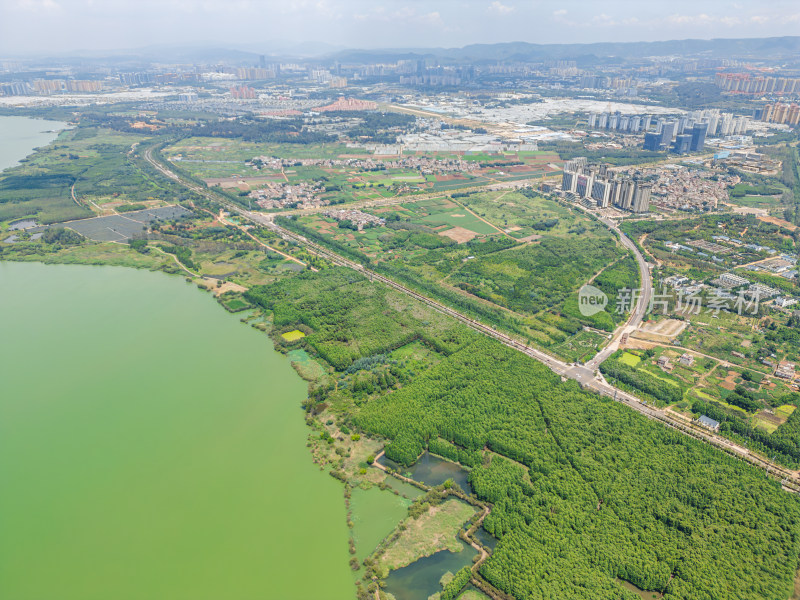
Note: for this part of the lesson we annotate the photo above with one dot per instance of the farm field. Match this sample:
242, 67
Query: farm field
529, 285
751, 404
580, 347
220, 161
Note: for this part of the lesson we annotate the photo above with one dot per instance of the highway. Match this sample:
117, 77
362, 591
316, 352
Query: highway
585, 375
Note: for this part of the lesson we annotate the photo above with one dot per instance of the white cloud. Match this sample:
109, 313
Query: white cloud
730, 21
499, 8
39, 5
407, 15
604, 20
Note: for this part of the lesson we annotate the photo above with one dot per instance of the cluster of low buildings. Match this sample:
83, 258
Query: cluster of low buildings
358, 218
722, 287
747, 160
282, 195
676, 187
784, 265
424, 164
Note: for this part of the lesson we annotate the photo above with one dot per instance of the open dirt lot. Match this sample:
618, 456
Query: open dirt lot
459, 234
662, 331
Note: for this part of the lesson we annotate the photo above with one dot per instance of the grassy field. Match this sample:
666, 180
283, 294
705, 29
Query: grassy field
517, 214
433, 531
291, 336
473, 594
757, 201
90, 254
630, 359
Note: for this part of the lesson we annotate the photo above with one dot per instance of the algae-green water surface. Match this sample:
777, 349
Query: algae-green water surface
151, 446
20, 135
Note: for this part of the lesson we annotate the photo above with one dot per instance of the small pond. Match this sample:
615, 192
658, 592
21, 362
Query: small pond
432, 470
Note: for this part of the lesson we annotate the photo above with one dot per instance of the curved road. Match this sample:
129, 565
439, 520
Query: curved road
643, 299
583, 374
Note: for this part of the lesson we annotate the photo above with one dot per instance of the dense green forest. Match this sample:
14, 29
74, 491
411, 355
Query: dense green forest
583, 490
289, 131
348, 316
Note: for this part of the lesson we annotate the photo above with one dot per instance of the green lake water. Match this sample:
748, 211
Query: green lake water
376, 513
152, 447
20, 135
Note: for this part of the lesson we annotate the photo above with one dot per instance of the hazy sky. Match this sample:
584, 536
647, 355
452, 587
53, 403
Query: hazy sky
28, 26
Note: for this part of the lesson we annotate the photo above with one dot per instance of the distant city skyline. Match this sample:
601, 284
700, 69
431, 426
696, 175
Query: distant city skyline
66, 26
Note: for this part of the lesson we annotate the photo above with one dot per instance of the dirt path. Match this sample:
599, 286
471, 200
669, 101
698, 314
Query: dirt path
500, 197
255, 239
175, 258
779, 222
258, 241
650, 254
477, 216
92, 202
72, 191
600, 272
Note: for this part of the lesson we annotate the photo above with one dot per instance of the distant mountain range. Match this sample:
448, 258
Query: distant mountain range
775, 47
585, 54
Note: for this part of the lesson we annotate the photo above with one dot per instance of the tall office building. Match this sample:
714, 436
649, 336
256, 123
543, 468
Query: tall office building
682, 143
668, 133
652, 142
698, 137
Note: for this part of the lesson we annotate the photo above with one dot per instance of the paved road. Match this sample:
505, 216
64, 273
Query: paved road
584, 374
642, 301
